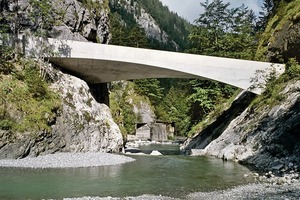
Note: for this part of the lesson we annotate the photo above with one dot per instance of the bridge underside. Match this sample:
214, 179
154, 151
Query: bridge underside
98, 63
102, 71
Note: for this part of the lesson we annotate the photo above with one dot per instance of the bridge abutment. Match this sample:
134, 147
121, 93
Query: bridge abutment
100, 92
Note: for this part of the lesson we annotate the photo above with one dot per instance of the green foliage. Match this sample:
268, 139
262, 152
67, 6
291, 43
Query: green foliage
27, 104
130, 35
6, 59
125, 31
212, 115
150, 88
6, 124
43, 16
293, 69
95, 6
274, 86
219, 31
175, 108
284, 12
224, 32
36, 85
176, 27
205, 95
122, 99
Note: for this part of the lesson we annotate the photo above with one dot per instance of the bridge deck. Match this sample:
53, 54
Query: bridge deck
99, 63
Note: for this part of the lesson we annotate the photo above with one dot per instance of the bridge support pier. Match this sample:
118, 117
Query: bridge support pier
100, 92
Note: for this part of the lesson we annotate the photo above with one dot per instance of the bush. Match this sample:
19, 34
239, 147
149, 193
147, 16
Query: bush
6, 56
293, 69
6, 124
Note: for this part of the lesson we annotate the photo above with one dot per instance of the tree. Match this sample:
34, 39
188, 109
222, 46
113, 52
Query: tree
43, 16
221, 31
117, 30
210, 27
175, 108
150, 88
137, 38
265, 14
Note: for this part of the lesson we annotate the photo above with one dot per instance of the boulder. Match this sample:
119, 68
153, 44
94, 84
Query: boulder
155, 153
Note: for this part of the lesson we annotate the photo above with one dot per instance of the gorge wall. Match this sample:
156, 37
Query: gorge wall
266, 134
81, 124
267, 137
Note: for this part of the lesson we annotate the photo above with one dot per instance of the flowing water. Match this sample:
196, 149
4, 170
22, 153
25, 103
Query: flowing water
168, 175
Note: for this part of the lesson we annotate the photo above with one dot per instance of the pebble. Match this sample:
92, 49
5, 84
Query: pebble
250, 191
67, 160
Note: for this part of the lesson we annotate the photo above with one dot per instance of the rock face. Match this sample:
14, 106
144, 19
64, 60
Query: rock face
215, 129
86, 125
82, 23
144, 111
287, 43
280, 40
145, 21
82, 125
74, 20
267, 139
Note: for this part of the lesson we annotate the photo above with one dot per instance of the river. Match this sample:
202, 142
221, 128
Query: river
168, 175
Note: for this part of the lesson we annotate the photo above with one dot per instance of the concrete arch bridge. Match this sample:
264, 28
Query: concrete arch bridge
100, 63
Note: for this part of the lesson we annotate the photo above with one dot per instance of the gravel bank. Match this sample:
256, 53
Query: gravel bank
251, 191
67, 160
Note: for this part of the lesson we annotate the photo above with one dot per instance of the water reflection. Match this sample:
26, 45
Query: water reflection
167, 175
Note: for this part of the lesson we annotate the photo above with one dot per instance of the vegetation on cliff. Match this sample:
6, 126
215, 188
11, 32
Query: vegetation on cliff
278, 41
167, 28
280, 16
27, 103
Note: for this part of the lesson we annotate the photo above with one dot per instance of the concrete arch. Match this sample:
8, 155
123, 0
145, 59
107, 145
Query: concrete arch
99, 63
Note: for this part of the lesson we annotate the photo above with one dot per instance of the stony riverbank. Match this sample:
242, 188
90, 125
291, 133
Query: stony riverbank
252, 191
67, 160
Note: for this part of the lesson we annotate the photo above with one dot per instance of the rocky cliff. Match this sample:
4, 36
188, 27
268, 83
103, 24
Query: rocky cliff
266, 134
267, 138
280, 40
81, 124
71, 19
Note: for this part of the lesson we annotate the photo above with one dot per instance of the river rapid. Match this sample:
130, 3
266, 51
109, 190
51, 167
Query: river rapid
168, 175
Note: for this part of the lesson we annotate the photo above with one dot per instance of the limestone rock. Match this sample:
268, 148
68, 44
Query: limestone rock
83, 125
86, 125
144, 110
146, 22
155, 153
269, 141
73, 20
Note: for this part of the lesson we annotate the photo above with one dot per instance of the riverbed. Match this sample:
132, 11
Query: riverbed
168, 175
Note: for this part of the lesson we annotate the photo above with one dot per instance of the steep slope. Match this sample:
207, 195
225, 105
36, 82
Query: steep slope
280, 41
163, 28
